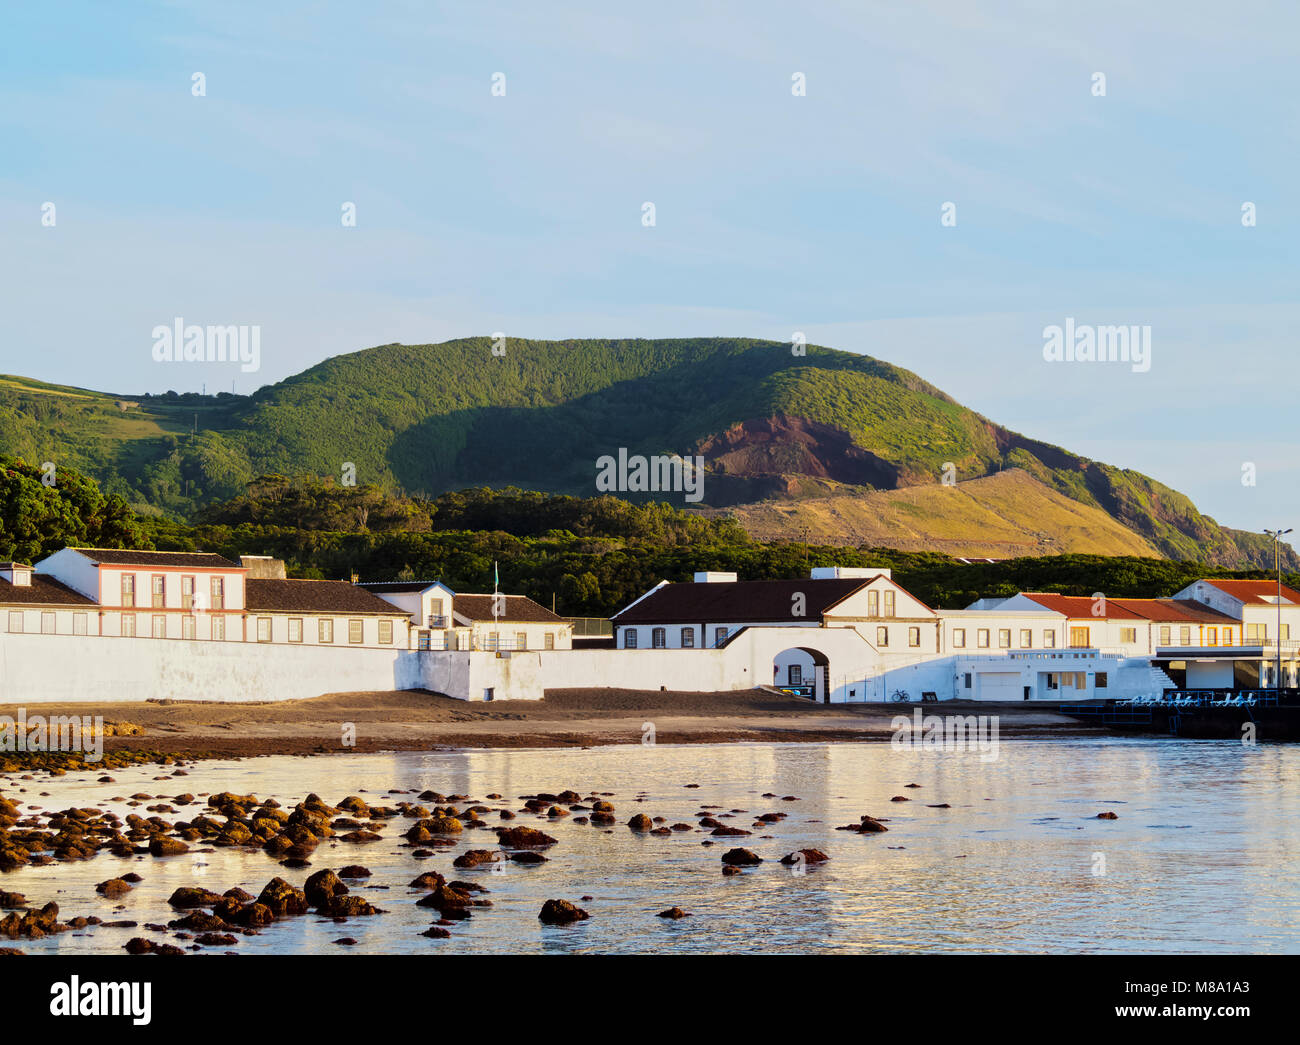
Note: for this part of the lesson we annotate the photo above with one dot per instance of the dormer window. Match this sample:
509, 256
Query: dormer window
18, 574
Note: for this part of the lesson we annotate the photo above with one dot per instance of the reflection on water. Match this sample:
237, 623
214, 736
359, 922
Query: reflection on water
1201, 858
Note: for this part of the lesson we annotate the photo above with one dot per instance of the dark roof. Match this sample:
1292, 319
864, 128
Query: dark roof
736, 602
397, 586
518, 608
300, 596
131, 557
43, 591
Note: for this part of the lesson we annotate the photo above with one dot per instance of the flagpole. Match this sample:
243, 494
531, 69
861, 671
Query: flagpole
496, 616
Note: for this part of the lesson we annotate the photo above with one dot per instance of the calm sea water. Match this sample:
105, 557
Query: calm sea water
1201, 859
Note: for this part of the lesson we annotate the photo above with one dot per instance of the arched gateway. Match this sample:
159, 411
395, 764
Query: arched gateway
803, 670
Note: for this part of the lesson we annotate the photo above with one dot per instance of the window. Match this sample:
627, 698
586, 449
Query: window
263, 629
521, 640
47, 622
629, 638
796, 675
128, 589
355, 631
1004, 638
295, 629
422, 640
1079, 638
385, 632
719, 636
219, 628
1026, 638
889, 603
548, 641
1255, 632
1211, 636
187, 627
1128, 635
1049, 639
882, 636
959, 638
968, 680
1227, 636
1100, 681
914, 637
659, 638
462, 640
187, 592
873, 604
15, 622
1166, 634
78, 624
982, 638
325, 630
218, 592
159, 629
491, 641
435, 613
688, 638
128, 625
158, 591
1286, 631
1185, 635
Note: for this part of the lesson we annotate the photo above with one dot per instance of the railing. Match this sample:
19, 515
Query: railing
1207, 698
436, 621
591, 626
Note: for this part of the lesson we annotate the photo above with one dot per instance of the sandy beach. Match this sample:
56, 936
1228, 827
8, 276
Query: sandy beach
409, 720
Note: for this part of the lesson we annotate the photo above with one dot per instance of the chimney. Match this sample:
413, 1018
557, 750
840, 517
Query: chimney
19, 574
841, 573
262, 567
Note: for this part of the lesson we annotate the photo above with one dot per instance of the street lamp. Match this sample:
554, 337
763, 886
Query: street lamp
1277, 536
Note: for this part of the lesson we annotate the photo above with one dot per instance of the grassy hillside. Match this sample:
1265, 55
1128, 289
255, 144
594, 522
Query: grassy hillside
429, 418
1003, 516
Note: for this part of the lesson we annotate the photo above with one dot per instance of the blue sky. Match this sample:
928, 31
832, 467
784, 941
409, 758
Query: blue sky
774, 213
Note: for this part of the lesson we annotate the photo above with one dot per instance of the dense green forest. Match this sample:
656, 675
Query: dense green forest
429, 419
589, 556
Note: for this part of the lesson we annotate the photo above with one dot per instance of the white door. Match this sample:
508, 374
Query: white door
998, 685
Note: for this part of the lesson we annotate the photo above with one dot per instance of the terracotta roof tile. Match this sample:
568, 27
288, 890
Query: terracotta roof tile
1255, 592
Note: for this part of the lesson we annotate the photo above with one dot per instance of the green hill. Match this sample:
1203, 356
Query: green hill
429, 418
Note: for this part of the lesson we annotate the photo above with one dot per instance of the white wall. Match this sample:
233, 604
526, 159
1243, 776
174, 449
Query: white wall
42, 668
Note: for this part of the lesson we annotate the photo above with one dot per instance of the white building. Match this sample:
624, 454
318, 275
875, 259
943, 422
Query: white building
448, 620
109, 624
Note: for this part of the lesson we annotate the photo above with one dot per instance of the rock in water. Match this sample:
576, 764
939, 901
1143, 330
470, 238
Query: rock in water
561, 912
810, 856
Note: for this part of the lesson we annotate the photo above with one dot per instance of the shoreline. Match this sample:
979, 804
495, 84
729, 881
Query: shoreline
407, 720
